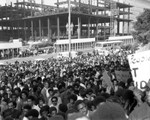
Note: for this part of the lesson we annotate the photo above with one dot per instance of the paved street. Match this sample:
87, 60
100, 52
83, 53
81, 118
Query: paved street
40, 56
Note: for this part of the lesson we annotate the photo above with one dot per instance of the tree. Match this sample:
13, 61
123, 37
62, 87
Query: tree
142, 27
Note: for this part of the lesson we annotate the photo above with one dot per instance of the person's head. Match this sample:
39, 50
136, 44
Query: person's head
12, 104
13, 97
2, 83
54, 100
91, 106
8, 90
17, 91
88, 85
24, 95
128, 97
98, 100
25, 109
46, 84
56, 93
53, 111
115, 82
4, 102
44, 111
72, 98
51, 91
41, 102
81, 107
1, 91
109, 111
34, 82
33, 113
61, 86
63, 108
5, 95
76, 86
31, 100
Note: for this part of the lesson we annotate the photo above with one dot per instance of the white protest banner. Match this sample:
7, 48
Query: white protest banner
122, 75
107, 79
140, 68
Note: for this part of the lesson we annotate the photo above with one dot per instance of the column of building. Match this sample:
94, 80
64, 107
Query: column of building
25, 32
58, 28
128, 29
49, 27
79, 27
40, 29
32, 31
97, 21
123, 24
89, 27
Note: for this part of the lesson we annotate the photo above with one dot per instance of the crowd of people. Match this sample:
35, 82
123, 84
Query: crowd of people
71, 89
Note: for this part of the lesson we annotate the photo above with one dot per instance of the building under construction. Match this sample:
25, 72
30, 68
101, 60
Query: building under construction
89, 18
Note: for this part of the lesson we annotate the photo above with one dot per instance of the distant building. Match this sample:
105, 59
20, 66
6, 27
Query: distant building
136, 10
125, 39
90, 18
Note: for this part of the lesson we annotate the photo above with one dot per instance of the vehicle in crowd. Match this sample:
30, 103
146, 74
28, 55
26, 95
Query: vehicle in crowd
105, 47
76, 45
127, 39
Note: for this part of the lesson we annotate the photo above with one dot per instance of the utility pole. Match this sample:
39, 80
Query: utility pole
42, 3
69, 29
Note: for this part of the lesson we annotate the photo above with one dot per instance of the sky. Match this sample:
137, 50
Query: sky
49, 2
138, 4
143, 3
53, 1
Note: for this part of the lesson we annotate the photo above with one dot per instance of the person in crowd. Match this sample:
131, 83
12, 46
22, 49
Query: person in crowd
109, 111
44, 91
72, 99
44, 112
53, 111
32, 114
54, 102
62, 110
31, 101
81, 107
25, 110
141, 112
23, 100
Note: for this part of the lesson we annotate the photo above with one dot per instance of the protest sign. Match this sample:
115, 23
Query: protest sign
107, 79
122, 75
140, 68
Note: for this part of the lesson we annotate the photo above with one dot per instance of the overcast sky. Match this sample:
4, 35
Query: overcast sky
49, 2
136, 3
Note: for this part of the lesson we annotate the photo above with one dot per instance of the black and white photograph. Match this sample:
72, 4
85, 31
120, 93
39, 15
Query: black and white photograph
74, 59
